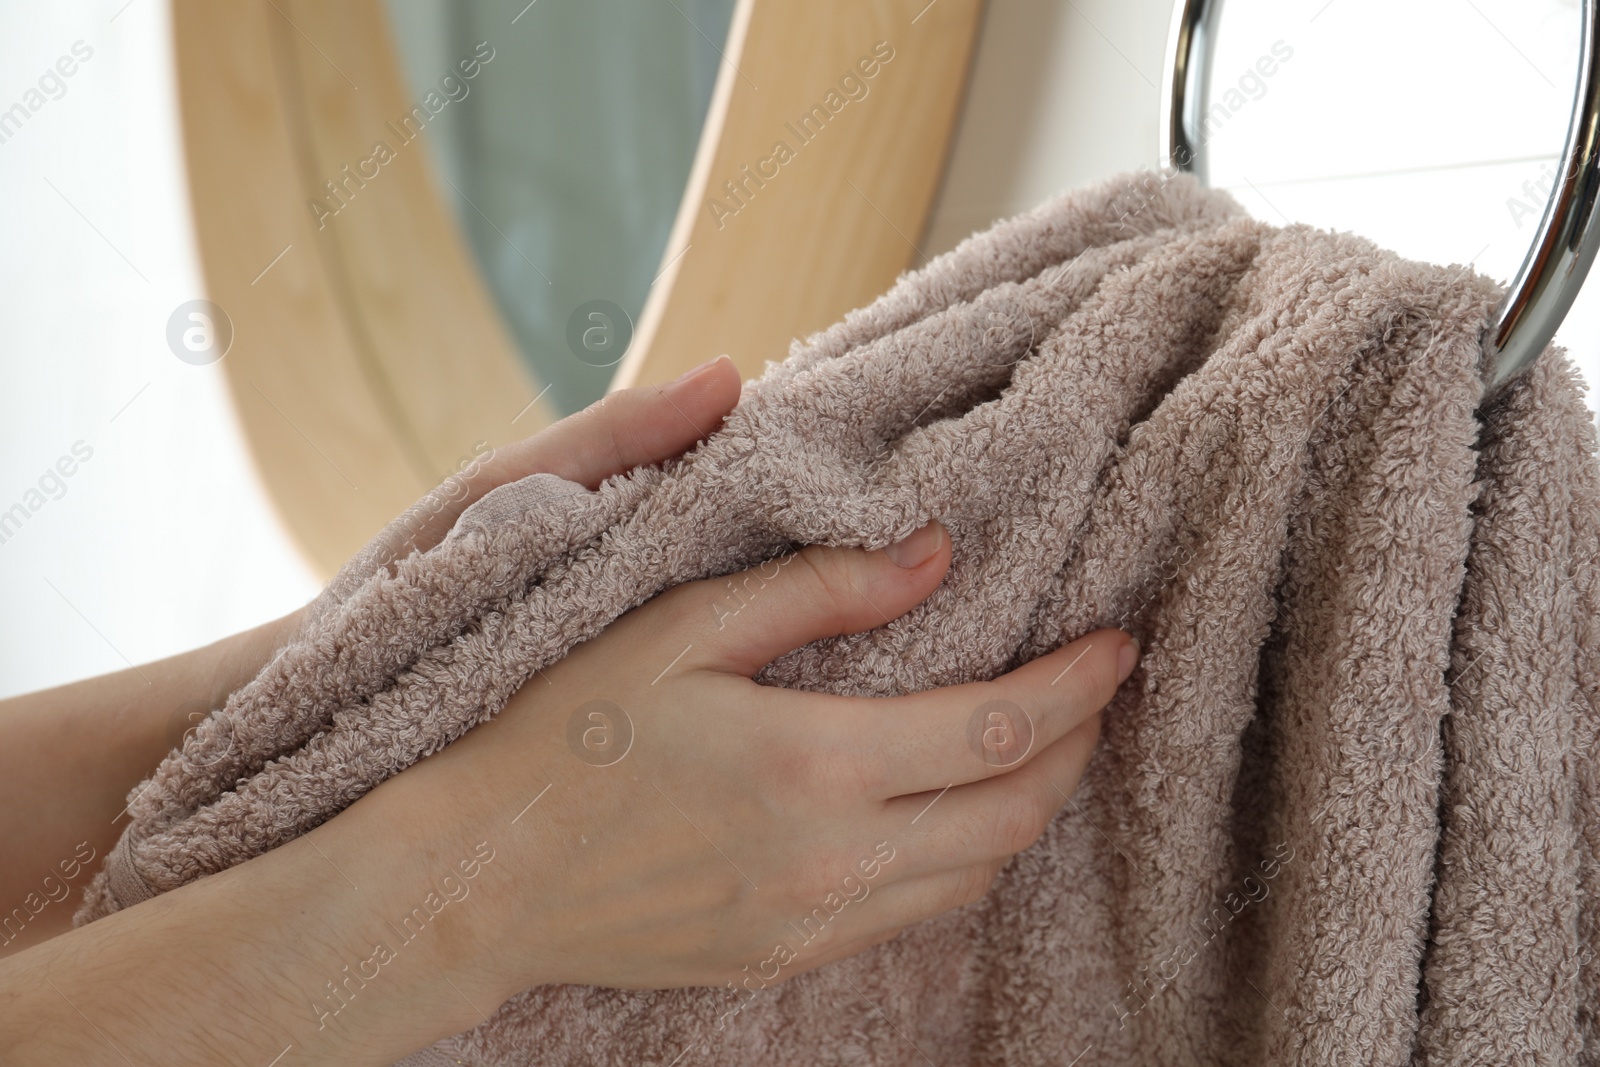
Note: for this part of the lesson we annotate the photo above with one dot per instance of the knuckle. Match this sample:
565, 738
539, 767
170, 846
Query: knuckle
885, 936
817, 764
606, 416
969, 886
612, 406
1106, 683
847, 767
1088, 686
865, 775
615, 444
825, 580
814, 876
793, 769
1019, 820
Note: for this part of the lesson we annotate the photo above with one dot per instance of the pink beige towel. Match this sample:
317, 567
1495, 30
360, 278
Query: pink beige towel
1345, 810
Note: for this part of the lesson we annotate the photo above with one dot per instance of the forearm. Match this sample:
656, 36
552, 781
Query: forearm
70, 755
278, 952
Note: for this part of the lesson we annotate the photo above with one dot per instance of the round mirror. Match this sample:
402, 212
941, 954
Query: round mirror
436, 228
565, 157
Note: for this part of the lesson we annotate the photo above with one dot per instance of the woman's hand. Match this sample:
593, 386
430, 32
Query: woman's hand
641, 815
69, 756
623, 430
658, 819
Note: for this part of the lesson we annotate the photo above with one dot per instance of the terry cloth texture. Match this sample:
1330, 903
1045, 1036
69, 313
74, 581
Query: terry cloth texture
1343, 812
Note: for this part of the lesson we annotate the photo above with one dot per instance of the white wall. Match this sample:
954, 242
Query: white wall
162, 539
1062, 92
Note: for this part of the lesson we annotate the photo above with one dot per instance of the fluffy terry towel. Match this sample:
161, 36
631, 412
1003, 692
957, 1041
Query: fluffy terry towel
1344, 811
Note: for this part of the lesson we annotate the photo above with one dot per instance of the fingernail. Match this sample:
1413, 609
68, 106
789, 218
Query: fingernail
1127, 656
694, 372
918, 548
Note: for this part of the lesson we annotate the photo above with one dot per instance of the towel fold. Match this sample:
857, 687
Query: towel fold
1345, 809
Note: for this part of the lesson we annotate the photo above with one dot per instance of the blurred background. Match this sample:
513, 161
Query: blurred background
274, 268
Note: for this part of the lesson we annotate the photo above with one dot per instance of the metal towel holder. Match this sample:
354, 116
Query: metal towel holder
1568, 235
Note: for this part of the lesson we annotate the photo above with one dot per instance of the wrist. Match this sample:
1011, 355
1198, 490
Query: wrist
426, 883
62, 799
486, 824
239, 967
377, 971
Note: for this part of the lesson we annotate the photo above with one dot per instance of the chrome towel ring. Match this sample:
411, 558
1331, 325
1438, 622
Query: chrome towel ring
1568, 235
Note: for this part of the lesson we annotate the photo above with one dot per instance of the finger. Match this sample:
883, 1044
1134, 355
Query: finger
965, 733
990, 820
621, 431
645, 424
741, 623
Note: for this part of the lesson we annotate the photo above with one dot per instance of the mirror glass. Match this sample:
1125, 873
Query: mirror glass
565, 157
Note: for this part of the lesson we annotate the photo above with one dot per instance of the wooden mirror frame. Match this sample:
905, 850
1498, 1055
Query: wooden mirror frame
368, 360
830, 229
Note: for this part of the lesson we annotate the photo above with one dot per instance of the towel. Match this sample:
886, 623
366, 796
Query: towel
1344, 811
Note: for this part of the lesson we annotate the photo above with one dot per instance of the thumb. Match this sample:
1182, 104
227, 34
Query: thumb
747, 620
620, 431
